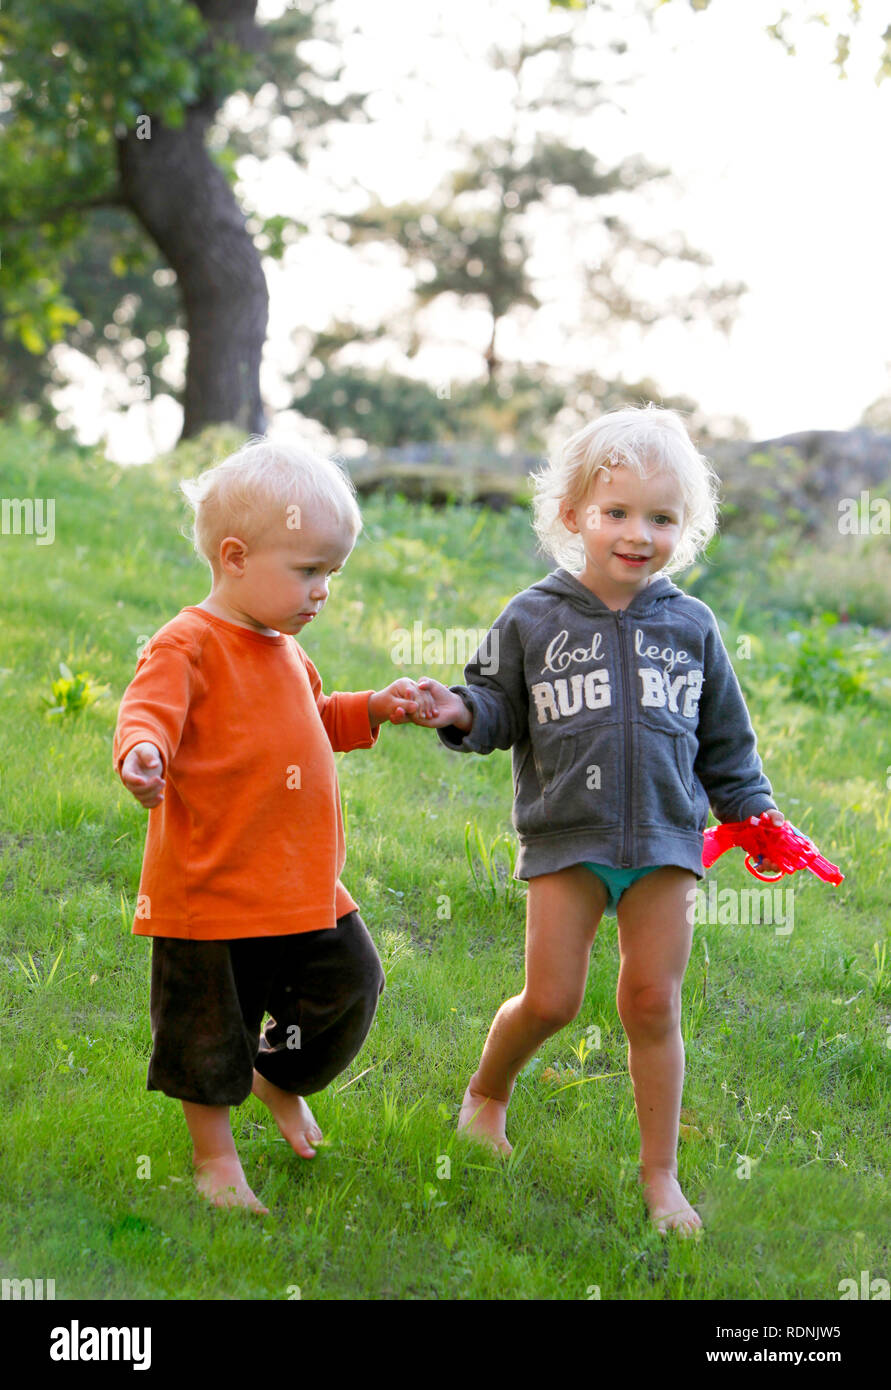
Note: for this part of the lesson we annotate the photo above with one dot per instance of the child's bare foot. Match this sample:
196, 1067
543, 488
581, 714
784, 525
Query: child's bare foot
669, 1208
483, 1118
292, 1115
221, 1180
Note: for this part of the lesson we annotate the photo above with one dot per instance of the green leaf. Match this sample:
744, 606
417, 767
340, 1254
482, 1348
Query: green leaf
31, 339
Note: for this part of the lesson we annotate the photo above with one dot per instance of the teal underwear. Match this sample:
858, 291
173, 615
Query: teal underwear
617, 880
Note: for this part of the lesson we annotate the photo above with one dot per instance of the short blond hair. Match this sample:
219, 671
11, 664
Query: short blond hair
647, 439
249, 494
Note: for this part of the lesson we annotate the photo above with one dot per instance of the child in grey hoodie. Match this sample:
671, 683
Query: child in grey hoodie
615, 692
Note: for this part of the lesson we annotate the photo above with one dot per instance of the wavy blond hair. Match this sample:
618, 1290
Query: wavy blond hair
647, 439
249, 494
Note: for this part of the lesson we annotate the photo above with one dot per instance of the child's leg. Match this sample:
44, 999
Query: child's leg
295, 1120
654, 946
218, 1171
205, 1023
323, 999
563, 910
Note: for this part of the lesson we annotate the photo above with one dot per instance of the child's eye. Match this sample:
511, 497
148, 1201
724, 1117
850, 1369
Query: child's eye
660, 517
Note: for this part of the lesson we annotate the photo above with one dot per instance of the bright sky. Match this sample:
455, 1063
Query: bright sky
779, 177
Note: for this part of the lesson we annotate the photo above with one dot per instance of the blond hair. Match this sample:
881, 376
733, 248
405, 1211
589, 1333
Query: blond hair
252, 494
647, 439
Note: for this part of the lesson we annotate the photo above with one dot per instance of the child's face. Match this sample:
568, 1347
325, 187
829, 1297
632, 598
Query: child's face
283, 584
622, 516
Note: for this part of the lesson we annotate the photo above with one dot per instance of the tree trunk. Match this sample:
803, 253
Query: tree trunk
491, 359
185, 204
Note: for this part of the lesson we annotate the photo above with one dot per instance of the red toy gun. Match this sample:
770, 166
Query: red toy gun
782, 845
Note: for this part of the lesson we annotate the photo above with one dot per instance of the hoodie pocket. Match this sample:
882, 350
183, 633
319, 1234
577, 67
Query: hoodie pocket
584, 788
664, 787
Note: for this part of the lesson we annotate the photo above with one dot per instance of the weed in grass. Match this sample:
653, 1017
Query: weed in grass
32, 971
494, 880
73, 694
393, 1121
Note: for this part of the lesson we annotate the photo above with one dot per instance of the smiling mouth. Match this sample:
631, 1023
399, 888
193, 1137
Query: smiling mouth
632, 557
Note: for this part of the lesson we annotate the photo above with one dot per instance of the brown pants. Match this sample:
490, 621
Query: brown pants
208, 999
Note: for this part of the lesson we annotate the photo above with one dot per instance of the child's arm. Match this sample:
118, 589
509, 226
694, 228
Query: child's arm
492, 709
150, 719
727, 763
352, 718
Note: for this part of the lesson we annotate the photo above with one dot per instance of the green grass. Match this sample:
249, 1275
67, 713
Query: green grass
788, 1038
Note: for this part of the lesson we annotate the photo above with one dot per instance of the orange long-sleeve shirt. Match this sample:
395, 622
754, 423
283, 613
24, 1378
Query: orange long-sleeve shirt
248, 840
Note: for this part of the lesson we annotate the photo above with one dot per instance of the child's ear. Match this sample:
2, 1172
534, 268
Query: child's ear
568, 519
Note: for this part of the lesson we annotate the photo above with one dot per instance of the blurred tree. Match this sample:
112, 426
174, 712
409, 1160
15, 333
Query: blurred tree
389, 409
518, 412
471, 238
117, 159
110, 109
849, 13
124, 302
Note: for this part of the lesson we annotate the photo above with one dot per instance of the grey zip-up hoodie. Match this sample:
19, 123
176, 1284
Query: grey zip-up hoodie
625, 726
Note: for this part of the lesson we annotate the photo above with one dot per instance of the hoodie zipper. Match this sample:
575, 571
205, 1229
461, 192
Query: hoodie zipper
620, 635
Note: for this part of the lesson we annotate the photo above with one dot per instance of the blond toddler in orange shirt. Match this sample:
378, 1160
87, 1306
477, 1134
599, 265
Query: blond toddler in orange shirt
225, 736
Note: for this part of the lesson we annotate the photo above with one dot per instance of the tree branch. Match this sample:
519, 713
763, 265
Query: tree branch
115, 199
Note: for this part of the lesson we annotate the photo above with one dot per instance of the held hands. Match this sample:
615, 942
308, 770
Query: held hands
141, 774
424, 702
401, 703
448, 708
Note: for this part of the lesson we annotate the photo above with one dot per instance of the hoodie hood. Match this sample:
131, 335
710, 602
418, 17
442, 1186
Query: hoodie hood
568, 586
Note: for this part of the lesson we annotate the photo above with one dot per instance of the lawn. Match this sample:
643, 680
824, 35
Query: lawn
785, 1146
